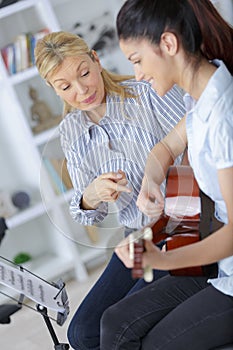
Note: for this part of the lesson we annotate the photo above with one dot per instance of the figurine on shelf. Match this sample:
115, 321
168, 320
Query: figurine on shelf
41, 113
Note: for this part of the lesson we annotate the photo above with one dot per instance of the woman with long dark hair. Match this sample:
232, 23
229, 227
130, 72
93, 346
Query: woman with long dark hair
183, 42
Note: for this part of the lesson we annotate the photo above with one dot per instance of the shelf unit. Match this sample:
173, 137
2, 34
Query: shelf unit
59, 246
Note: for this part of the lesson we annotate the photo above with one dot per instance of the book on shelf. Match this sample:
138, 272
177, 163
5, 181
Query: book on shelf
34, 37
8, 56
19, 55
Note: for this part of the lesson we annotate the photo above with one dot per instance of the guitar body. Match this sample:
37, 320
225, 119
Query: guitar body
179, 225
179, 240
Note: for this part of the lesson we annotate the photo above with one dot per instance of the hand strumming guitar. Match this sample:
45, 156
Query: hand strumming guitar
150, 199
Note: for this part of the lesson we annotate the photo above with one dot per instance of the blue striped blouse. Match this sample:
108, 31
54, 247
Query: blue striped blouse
121, 140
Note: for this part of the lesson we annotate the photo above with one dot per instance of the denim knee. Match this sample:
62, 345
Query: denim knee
72, 335
109, 320
80, 337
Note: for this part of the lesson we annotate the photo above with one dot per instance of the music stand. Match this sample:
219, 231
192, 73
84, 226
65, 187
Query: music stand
57, 345
46, 295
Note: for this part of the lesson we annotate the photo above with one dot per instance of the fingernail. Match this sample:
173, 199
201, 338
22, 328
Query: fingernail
119, 176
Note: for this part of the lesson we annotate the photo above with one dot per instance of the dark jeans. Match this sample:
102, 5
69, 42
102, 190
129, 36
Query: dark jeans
172, 313
114, 284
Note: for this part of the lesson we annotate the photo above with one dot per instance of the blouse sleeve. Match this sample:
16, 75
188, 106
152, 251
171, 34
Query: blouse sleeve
88, 156
222, 143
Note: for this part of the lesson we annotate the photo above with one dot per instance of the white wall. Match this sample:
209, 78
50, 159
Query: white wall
225, 7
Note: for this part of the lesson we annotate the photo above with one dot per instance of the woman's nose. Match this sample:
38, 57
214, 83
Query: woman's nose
81, 89
139, 75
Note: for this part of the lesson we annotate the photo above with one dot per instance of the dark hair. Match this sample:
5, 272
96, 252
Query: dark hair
197, 24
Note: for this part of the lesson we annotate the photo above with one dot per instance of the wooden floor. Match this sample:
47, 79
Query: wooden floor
28, 331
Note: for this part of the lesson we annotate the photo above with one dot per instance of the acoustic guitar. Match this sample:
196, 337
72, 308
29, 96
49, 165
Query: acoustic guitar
177, 226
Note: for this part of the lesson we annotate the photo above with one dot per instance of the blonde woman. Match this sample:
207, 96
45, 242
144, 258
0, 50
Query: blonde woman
110, 124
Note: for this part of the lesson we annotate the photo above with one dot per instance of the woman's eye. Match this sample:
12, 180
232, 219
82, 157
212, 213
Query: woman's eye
65, 88
137, 62
84, 74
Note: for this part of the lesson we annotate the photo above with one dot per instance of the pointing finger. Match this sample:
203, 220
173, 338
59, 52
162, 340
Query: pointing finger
121, 188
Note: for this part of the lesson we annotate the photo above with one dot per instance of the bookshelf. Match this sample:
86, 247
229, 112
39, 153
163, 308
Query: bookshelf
59, 247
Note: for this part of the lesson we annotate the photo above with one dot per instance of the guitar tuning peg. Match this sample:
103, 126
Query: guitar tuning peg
148, 271
148, 274
148, 233
131, 246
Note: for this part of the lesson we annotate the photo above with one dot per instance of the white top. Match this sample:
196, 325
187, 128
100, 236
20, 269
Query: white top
210, 138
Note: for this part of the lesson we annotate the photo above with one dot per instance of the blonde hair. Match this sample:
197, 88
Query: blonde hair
53, 48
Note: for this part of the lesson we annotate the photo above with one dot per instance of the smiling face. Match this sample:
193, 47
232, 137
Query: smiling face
79, 82
151, 63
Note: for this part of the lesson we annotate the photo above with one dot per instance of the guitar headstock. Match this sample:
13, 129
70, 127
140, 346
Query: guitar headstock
136, 248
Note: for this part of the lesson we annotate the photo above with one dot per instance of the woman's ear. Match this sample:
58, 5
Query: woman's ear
95, 55
169, 43
96, 58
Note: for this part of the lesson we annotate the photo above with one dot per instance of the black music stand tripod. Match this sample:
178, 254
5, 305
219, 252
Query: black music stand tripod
57, 344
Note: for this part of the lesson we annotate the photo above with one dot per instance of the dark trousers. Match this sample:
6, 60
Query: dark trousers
114, 284
172, 313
